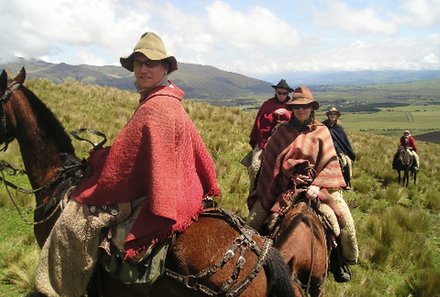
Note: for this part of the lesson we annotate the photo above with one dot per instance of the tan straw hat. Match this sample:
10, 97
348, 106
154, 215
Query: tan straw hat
303, 96
152, 47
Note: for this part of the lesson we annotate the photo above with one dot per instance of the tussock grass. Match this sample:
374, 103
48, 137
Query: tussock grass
397, 227
21, 270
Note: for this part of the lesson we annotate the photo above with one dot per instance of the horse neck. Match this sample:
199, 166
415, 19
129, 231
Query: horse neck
40, 147
405, 157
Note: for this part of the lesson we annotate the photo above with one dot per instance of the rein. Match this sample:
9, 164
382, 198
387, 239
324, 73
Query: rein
240, 244
70, 169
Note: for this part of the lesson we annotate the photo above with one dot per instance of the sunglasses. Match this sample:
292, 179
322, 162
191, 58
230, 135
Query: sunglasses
302, 106
282, 93
146, 63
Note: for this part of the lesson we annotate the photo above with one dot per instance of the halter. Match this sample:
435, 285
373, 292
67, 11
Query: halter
11, 88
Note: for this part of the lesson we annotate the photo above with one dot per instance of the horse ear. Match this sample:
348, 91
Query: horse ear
21, 76
3, 81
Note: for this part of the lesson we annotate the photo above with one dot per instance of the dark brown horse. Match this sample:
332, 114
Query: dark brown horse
300, 237
403, 161
216, 256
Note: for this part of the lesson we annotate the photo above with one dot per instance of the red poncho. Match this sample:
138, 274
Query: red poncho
266, 120
158, 155
289, 147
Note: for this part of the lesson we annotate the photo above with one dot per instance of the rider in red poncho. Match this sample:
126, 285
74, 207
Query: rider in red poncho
158, 160
271, 112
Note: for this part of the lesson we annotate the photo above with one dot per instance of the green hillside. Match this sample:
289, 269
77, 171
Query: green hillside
398, 228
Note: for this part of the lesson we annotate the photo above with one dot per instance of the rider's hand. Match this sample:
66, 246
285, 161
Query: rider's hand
312, 192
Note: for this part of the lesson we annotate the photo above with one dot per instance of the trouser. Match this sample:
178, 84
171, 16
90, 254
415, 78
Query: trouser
415, 156
348, 240
254, 168
347, 168
257, 214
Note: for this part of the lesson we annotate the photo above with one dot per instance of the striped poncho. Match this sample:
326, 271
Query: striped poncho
293, 144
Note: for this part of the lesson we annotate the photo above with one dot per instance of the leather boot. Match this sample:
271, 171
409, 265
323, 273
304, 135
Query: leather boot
339, 268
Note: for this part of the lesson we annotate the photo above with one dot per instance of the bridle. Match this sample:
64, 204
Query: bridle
3, 122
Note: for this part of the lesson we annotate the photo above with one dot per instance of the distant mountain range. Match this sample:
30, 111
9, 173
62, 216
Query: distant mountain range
198, 81
207, 82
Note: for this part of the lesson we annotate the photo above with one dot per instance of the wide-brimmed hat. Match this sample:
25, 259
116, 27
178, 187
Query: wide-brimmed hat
283, 85
152, 47
303, 96
333, 110
406, 132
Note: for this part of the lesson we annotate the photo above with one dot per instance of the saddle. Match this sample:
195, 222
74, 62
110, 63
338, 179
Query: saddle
149, 264
146, 266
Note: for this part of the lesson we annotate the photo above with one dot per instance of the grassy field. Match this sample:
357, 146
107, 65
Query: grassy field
419, 119
398, 228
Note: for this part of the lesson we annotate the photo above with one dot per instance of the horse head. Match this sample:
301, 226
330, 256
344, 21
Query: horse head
7, 120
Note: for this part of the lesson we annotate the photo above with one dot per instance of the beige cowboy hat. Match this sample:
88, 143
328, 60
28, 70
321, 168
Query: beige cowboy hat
303, 96
333, 110
152, 47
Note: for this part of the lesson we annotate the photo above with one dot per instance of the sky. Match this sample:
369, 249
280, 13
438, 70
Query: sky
254, 38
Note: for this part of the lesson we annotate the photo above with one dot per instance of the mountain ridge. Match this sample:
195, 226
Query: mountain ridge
207, 82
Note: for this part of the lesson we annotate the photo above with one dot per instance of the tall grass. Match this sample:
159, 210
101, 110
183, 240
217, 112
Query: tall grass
398, 228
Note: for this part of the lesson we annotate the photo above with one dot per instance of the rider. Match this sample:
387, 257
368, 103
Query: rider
409, 143
342, 145
158, 160
271, 112
303, 142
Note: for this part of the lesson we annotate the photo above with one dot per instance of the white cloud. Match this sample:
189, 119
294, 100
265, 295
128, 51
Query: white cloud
421, 13
431, 59
388, 54
340, 16
255, 27
47, 28
234, 36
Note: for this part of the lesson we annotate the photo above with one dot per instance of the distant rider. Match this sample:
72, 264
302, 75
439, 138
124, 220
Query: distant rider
342, 145
409, 143
271, 112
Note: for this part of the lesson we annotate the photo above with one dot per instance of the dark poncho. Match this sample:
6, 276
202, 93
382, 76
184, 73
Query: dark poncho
340, 140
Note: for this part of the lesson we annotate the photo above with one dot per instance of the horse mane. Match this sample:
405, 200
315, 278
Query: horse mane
296, 220
49, 122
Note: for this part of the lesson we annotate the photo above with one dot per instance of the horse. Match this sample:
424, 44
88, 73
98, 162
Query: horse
300, 236
217, 255
403, 161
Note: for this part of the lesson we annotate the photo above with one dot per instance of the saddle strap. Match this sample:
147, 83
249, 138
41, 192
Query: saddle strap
193, 281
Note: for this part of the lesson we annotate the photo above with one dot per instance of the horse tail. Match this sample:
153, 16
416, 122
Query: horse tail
278, 271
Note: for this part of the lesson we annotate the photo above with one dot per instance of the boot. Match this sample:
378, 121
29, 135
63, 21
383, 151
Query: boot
341, 272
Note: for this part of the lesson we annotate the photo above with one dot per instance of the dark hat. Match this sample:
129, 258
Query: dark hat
152, 47
333, 110
303, 96
283, 85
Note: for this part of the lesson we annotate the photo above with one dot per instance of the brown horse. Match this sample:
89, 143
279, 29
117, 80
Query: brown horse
403, 161
216, 256
300, 237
